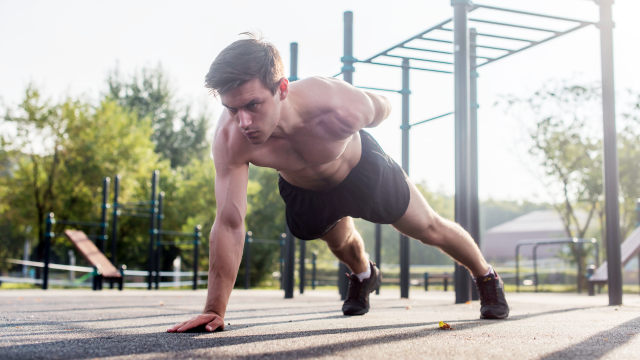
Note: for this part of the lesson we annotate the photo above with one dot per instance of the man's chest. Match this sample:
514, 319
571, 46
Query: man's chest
304, 151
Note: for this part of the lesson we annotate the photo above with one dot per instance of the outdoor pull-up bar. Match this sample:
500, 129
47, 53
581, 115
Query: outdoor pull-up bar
465, 64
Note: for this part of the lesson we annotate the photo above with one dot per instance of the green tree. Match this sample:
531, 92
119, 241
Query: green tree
59, 154
178, 135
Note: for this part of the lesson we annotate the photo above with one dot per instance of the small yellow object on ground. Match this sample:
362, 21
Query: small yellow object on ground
444, 326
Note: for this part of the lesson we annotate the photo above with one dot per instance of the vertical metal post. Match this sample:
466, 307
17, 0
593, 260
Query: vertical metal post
293, 74
114, 224
159, 238
612, 205
283, 238
196, 254
347, 75
517, 268
247, 259
378, 250
103, 216
301, 272
474, 198
579, 258
48, 222
289, 264
535, 266
404, 240
314, 258
638, 224
152, 228
462, 278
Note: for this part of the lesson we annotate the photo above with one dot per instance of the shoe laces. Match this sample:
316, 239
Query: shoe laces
488, 290
355, 288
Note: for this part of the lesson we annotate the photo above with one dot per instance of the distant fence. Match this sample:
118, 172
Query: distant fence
85, 281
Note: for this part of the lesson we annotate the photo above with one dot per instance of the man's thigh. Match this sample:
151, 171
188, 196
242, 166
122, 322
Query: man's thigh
418, 217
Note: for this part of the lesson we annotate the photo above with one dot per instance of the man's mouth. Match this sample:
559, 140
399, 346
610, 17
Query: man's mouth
250, 134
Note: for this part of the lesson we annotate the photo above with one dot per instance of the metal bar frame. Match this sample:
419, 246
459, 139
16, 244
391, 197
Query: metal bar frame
405, 251
152, 223
462, 279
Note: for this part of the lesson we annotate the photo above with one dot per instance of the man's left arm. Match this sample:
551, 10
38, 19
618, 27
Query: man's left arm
382, 109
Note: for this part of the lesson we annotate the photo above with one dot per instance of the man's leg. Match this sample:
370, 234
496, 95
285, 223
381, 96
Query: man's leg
346, 244
422, 223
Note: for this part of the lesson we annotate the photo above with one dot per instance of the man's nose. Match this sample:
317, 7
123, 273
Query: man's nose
245, 119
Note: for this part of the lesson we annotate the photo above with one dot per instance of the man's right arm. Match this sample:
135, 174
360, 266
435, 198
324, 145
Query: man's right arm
227, 235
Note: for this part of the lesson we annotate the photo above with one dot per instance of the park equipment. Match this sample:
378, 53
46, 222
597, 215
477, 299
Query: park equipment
49, 234
628, 249
541, 242
196, 234
103, 268
465, 63
248, 240
444, 277
152, 210
142, 209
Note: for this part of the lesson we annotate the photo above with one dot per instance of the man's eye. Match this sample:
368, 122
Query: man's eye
251, 106
232, 111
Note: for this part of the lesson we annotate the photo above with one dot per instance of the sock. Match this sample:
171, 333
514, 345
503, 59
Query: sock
365, 274
488, 272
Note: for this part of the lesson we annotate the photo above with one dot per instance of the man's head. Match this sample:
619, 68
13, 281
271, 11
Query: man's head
249, 77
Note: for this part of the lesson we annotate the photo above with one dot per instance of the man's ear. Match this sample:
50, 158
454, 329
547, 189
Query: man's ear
284, 88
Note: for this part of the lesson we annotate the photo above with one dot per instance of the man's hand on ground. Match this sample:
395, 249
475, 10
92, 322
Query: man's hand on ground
212, 321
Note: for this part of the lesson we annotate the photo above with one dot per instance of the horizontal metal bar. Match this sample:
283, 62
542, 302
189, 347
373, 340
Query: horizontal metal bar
51, 266
553, 241
433, 118
82, 223
505, 37
265, 241
531, 14
538, 43
418, 59
414, 68
142, 210
417, 36
371, 88
436, 40
338, 74
174, 233
134, 215
495, 48
175, 243
174, 273
429, 50
513, 25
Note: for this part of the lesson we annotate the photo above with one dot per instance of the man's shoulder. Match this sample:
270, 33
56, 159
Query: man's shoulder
229, 145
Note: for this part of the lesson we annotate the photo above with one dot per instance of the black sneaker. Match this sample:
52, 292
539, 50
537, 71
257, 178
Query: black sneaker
493, 304
357, 302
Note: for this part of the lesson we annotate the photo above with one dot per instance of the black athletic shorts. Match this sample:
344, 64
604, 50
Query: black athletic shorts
375, 190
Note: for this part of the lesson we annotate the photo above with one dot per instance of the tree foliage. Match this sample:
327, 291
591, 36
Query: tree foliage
178, 135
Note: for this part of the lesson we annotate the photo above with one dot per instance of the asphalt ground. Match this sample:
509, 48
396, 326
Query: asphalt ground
81, 324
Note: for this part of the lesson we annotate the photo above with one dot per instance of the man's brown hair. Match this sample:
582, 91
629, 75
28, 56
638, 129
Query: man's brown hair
245, 60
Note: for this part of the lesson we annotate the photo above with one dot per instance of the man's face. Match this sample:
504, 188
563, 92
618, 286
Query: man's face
254, 109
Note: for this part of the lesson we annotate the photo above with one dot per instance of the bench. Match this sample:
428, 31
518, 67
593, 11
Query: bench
103, 268
444, 277
628, 249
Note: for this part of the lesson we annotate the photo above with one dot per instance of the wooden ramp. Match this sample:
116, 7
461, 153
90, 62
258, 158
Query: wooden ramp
628, 249
90, 252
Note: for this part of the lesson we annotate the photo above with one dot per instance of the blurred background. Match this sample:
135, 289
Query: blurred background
95, 89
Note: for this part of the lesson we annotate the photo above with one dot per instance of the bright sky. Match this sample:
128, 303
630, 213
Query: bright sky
67, 47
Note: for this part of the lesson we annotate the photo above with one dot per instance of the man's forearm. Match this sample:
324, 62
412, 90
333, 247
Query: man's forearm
225, 254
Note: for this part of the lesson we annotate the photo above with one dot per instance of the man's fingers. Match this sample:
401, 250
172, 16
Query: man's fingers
215, 324
176, 327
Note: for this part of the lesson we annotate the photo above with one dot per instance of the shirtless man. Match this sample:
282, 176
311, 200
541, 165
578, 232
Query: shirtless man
330, 172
